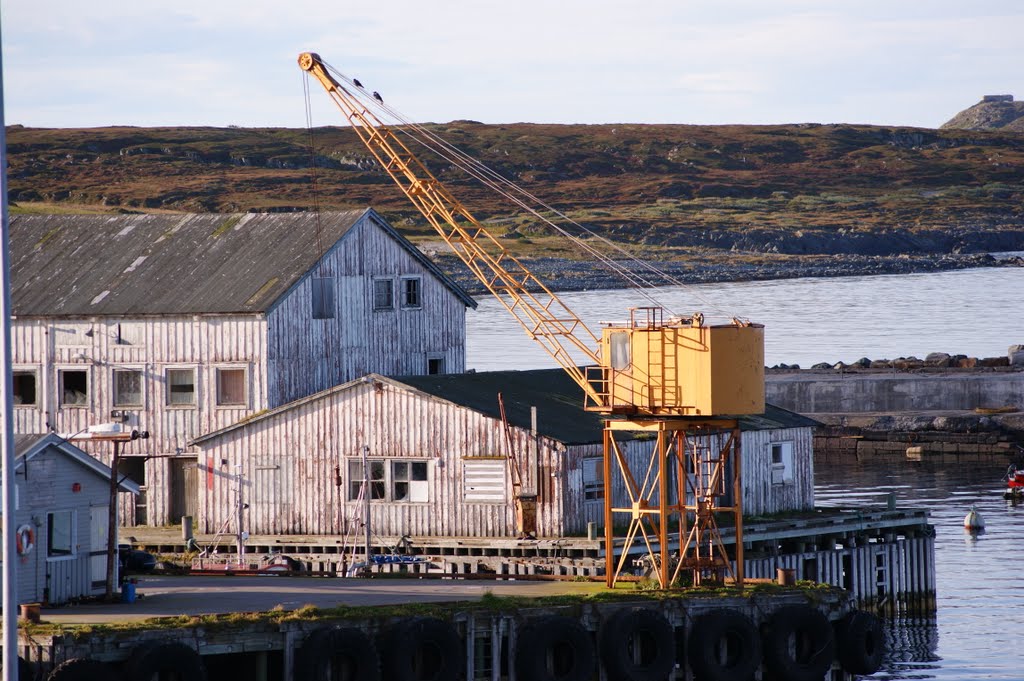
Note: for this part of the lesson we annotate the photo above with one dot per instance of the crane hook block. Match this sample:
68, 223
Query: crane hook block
308, 59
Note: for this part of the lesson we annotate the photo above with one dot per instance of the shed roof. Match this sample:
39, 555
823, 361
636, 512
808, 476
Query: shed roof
29, 445
559, 402
174, 264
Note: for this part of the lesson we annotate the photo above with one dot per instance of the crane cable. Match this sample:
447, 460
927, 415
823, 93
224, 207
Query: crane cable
495, 181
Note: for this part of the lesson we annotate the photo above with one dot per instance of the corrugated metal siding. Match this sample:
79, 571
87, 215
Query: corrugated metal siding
308, 355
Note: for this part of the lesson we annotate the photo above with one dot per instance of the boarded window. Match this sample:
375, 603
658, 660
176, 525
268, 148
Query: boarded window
383, 294
411, 293
181, 387
59, 533
24, 388
356, 479
74, 387
782, 462
593, 479
409, 481
230, 387
127, 388
484, 480
323, 297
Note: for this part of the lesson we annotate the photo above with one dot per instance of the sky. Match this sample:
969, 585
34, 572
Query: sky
92, 63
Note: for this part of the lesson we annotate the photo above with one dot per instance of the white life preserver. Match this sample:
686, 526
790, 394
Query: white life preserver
26, 539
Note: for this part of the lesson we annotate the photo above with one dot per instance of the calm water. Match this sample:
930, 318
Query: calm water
972, 312
979, 627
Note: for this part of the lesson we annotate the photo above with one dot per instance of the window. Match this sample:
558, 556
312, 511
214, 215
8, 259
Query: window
24, 388
411, 293
356, 479
181, 387
619, 342
435, 365
74, 387
383, 294
782, 462
593, 479
323, 297
409, 481
60, 533
230, 387
484, 480
127, 388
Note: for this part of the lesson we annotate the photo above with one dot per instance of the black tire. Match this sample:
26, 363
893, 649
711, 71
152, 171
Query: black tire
422, 649
724, 646
555, 648
637, 644
332, 652
160, 658
861, 640
798, 644
77, 669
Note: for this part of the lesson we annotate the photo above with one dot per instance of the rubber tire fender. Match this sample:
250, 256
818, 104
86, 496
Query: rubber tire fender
861, 640
810, 656
561, 638
153, 658
77, 669
325, 647
709, 631
422, 649
632, 627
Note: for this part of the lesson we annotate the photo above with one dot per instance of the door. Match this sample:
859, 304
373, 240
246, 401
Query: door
99, 517
184, 488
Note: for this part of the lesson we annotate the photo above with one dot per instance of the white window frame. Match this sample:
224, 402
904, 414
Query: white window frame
782, 470
418, 491
383, 480
167, 387
244, 404
87, 403
378, 487
380, 305
72, 536
116, 393
403, 286
34, 370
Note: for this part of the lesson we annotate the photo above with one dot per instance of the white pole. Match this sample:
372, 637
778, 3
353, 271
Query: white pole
10, 599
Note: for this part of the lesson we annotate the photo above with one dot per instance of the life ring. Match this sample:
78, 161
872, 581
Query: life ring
328, 650
555, 648
723, 646
152, 659
637, 644
424, 648
26, 539
861, 641
798, 644
81, 669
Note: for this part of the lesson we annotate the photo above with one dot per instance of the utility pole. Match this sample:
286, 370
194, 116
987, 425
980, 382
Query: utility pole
238, 518
367, 490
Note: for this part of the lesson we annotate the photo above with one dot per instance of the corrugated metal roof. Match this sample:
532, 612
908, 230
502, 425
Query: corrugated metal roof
558, 399
171, 264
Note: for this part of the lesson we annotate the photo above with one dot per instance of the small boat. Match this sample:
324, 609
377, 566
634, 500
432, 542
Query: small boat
1014, 483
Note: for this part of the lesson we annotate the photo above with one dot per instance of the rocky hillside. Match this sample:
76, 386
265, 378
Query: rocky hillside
993, 112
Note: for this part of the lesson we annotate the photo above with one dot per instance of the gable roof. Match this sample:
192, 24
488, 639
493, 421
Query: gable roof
29, 445
174, 264
559, 402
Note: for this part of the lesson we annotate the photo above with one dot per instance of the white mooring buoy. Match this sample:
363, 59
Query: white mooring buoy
973, 520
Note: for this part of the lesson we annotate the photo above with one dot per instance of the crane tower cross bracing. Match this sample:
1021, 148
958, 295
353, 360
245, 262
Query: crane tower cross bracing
675, 377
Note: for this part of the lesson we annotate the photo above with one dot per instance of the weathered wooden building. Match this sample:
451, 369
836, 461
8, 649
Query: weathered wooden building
184, 324
436, 459
62, 513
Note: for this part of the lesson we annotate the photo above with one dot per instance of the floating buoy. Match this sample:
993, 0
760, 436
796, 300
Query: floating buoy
973, 520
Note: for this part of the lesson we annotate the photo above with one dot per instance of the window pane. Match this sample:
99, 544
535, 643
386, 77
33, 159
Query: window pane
74, 388
181, 386
230, 386
127, 388
58, 533
323, 297
24, 387
399, 470
383, 294
411, 292
376, 470
377, 489
401, 491
419, 470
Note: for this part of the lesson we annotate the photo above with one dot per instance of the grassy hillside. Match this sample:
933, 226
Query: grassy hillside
796, 189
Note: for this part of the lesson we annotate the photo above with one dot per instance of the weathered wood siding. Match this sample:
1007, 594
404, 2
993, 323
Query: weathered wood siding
45, 486
99, 346
307, 355
762, 496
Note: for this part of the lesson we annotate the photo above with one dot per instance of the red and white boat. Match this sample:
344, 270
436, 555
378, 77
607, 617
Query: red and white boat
1014, 482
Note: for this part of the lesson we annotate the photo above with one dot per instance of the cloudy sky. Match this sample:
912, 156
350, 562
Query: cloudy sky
76, 63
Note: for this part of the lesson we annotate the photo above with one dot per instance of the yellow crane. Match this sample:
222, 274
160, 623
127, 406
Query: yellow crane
674, 377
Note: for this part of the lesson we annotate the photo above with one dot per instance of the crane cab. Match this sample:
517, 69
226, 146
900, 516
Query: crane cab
679, 367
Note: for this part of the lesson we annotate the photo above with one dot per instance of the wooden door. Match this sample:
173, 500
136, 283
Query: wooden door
184, 487
99, 517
